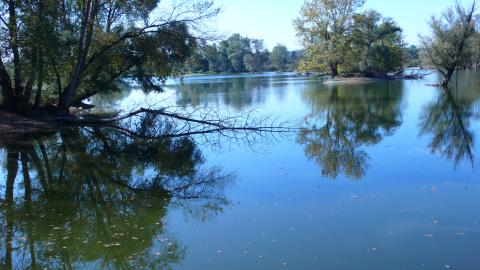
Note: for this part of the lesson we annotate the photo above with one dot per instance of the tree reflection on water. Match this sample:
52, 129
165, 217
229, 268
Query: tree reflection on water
92, 198
448, 121
344, 120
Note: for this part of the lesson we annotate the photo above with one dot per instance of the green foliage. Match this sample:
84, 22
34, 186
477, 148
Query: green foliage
378, 42
323, 26
451, 43
279, 57
338, 39
476, 44
237, 47
412, 56
62, 51
241, 54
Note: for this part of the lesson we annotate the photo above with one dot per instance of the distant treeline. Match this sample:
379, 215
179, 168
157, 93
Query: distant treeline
241, 54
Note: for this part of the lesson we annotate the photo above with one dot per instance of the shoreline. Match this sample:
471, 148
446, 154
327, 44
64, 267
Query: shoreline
14, 125
352, 80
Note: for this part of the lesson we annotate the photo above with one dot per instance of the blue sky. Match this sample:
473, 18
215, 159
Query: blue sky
271, 20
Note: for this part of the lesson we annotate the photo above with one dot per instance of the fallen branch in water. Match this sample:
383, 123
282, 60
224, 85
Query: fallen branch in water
212, 124
415, 74
227, 123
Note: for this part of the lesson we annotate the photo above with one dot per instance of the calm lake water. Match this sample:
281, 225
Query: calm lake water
379, 175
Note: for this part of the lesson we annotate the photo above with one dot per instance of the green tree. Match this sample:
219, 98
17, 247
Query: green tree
476, 45
378, 41
323, 27
257, 59
63, 51
214, 58
237, 47
412, 56
197, 62
449, 46
279, 57
250, 62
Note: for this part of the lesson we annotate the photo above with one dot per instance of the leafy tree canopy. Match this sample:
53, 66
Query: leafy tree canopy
62, 51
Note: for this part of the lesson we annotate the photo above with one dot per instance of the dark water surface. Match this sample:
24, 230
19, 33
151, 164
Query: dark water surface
387, 179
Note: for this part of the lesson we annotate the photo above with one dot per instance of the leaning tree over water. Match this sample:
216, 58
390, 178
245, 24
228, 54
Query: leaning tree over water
60, 52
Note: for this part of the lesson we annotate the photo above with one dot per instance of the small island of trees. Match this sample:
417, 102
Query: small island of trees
340, 39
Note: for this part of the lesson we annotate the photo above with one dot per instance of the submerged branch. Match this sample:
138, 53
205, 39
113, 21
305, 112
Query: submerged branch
186, 124
210, 126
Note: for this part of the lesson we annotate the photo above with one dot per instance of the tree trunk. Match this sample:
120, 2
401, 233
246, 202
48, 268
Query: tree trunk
38, 95
12, 29
466, 34
9, 102
447, 77
86, 34
334, 69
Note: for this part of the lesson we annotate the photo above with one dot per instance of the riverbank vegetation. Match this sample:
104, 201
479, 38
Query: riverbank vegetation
57, 53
